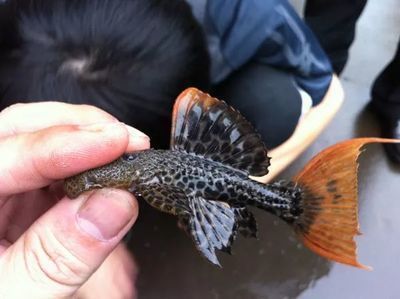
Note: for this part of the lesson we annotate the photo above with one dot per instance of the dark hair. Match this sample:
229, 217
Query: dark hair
128, 57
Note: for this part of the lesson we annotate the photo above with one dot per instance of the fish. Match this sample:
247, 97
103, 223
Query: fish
206, 180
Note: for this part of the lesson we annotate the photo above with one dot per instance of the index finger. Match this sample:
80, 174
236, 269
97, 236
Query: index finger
31, 117
34, 160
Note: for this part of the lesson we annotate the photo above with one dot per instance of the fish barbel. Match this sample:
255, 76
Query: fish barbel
204, 180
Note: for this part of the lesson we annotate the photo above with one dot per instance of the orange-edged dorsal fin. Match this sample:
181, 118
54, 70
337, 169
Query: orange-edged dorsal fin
208, 127
329, 221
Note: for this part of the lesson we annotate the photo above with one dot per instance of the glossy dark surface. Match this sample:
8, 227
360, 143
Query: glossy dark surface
278, 266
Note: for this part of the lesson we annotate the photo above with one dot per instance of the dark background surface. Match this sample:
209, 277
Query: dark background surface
277, 265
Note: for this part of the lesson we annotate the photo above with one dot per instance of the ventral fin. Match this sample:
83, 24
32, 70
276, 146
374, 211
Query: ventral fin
247, 224
212, 225
208, 127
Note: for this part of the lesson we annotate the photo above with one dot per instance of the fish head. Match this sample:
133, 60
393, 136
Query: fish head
119, 174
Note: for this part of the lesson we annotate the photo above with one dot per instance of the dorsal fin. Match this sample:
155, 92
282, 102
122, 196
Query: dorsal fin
208, 127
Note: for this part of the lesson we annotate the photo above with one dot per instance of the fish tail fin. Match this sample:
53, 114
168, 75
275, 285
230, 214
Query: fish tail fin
329, 218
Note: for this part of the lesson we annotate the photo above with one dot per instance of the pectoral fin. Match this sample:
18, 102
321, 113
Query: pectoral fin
212, 225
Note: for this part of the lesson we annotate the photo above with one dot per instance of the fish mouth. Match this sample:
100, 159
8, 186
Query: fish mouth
90, 185
75, 186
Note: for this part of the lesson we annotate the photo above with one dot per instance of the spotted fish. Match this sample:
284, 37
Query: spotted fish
205, 180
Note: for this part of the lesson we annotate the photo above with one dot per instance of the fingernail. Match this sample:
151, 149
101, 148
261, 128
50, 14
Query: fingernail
101, 126
105, 213
135, 132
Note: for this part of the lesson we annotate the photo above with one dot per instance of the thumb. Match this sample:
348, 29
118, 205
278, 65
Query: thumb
64, 247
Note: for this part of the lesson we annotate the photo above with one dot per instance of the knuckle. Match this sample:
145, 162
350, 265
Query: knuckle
48, 260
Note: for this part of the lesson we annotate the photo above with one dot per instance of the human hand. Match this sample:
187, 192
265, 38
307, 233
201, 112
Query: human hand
51, 245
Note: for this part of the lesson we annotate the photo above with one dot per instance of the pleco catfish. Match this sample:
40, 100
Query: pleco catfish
204, 180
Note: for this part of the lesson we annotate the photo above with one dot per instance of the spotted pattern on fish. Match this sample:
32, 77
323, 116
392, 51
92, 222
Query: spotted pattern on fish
204, 178
211, 196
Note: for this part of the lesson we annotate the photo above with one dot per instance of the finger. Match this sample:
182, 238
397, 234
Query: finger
22, 118
61, 250
34, 160
25, 118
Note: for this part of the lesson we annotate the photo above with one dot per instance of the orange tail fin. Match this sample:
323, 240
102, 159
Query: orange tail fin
330, 207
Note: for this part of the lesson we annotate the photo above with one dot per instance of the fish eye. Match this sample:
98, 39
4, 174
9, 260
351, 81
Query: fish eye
129, 157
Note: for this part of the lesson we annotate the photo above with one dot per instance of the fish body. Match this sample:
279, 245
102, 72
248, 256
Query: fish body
191, 174
204, 179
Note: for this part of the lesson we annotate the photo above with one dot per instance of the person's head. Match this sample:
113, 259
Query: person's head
128, 57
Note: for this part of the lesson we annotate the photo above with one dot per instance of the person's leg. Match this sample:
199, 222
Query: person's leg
334, 22
265, 96
385, 102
